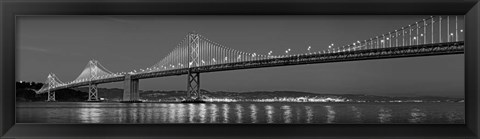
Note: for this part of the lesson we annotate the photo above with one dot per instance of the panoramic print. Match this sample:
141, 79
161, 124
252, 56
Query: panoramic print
206, 69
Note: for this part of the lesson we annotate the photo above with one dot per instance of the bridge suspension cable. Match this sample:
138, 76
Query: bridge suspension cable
209, 53
51, 82
425, 31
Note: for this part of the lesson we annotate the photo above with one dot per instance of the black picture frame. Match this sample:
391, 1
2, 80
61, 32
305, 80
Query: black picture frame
9, 9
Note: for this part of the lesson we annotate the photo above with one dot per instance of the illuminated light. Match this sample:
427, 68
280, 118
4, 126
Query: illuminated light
461, 30
451, 34
421, 35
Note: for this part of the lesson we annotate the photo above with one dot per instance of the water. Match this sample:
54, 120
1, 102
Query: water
242, 113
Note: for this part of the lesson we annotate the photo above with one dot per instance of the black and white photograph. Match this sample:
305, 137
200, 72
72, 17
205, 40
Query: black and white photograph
240, 69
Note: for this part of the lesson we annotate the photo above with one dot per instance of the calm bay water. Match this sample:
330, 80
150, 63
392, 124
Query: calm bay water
247, 113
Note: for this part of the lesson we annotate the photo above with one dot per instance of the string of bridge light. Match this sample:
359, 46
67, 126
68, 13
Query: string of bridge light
222, 54
413, 34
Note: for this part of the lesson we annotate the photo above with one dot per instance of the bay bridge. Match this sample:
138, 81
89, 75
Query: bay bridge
195, 54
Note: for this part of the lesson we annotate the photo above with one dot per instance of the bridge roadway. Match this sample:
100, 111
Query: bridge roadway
369, 54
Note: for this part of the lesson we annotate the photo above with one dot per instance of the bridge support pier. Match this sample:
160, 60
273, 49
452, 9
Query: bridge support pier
51, 96
193, 86
92, 92
130, 89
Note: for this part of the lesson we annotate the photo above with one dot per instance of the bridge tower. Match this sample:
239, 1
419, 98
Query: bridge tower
92, 92
92, 88
51, 84
193, 84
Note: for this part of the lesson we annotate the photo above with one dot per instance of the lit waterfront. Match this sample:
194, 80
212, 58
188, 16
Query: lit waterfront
306, 99
240, 112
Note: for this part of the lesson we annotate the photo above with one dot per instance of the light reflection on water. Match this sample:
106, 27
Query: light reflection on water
297, 111
453, 117
164, 114
87, 115
330, 114
417, 116
253, 113
172, 113
270, 111
213, 113
261, 113
181, 113
202, 113
357, 114
225, 109
191, 113
239, 109
309, 112
384, 115
287, 114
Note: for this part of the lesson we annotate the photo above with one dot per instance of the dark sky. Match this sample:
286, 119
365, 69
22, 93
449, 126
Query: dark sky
64, 44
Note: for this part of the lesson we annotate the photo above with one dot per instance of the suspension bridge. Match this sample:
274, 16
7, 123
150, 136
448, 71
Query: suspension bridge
197, 54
